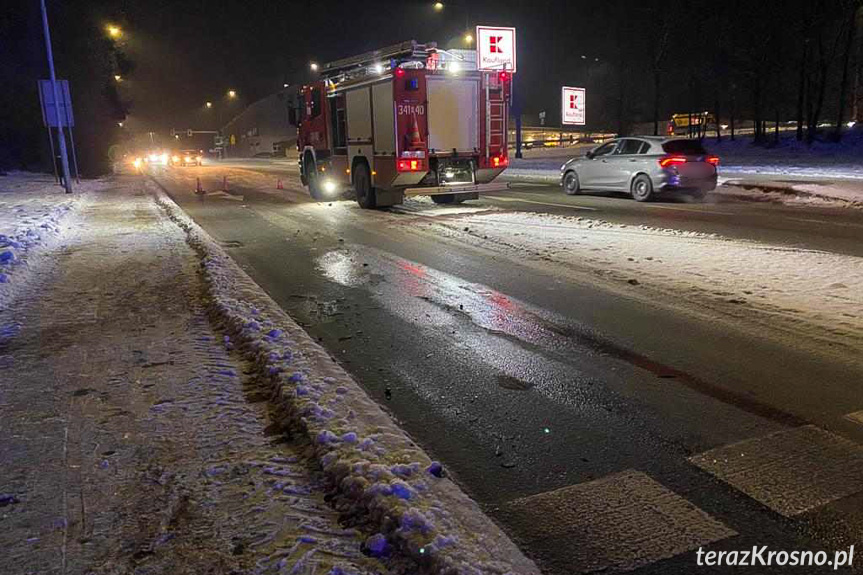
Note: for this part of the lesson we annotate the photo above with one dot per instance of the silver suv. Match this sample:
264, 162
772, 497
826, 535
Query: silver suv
643, 166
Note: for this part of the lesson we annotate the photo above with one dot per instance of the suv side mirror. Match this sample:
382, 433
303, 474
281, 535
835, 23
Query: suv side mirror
590, 155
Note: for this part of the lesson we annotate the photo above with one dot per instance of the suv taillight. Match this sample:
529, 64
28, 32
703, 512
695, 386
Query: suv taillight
672, 160
713, 160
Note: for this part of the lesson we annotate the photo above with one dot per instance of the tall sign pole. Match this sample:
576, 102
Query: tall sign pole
64, 158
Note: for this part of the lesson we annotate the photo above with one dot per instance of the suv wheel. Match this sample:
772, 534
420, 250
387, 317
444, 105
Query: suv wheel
571, 185
641, 188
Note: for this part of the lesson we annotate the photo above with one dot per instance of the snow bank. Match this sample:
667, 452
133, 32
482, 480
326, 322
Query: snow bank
381, 478
798, 290
34, 213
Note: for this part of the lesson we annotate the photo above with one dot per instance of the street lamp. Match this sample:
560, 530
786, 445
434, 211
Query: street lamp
209, 104
468, 39
120, 124
232, 94
313, 66
438, 6
118, 77
114, 31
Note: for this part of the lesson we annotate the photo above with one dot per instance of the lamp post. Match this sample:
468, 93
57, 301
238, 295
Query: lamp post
64, 158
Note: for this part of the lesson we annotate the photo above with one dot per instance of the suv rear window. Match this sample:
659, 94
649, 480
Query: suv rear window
686, 147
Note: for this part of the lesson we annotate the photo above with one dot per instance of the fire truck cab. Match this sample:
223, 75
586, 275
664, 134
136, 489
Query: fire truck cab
409, 119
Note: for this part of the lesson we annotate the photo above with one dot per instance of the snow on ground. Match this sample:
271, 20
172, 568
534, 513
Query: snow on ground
131, 438
382, 478
794, 286
34, 214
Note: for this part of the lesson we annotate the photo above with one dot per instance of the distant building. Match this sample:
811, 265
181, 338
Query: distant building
261, 130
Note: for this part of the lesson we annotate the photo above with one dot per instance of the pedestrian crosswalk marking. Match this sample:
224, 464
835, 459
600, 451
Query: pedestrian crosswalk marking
856, 417
790, 471
617, 523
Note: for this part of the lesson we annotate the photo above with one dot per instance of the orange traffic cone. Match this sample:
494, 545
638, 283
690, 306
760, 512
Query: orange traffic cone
279, 185
416, 140
225, 183
198, 188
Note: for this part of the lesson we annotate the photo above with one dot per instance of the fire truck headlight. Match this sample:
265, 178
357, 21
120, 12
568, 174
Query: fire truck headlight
329, 186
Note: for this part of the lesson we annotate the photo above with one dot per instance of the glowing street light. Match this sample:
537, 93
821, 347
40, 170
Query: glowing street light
209, 104
114, 31
120, 124
232, 94
438, 6
313, 66
118, 77
468, 38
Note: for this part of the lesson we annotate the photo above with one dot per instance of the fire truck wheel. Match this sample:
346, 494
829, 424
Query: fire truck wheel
363, 186
312, 179
447, 199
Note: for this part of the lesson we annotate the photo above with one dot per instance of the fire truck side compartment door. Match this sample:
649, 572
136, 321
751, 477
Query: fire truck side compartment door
453, 114
382, 101
359, 116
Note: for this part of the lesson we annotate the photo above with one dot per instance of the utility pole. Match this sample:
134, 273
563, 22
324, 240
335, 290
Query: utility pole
64, 158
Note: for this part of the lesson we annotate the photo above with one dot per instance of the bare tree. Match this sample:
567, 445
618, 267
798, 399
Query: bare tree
657, 63
851, 28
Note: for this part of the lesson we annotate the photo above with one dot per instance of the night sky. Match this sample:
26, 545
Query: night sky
178, 54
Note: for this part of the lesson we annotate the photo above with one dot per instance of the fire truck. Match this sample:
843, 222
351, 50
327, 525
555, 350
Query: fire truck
407, 120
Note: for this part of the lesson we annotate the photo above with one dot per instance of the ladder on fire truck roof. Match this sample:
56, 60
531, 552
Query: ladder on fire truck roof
403, 51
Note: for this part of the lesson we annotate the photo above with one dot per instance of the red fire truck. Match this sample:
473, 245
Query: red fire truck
407, 120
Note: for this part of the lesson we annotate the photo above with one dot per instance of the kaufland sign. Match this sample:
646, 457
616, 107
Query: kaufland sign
495, 49
573, 112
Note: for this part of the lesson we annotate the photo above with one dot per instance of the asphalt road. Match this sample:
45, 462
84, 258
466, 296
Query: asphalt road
539, 387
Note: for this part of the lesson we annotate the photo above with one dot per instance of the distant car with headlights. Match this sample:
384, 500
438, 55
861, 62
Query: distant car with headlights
157, 157
187, 158
644, 167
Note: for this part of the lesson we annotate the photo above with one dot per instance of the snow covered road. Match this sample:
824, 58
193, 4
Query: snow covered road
513, 346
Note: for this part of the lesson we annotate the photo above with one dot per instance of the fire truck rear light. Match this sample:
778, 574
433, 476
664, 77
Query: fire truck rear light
498, 161
400, 73
410, 165
671, 160
503, 76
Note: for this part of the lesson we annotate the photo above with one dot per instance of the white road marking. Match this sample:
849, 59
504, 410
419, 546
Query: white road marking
529, 185
815, 221
856, 417
697, 211
570, 206
790, 471
619, 522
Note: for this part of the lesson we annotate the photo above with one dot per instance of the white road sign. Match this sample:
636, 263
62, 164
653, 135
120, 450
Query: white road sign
495, 48
573, 102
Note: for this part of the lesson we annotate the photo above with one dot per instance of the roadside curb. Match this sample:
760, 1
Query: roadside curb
381, 479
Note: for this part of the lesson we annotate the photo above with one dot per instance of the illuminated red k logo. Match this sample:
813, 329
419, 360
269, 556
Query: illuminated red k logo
572, 100
494, 44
